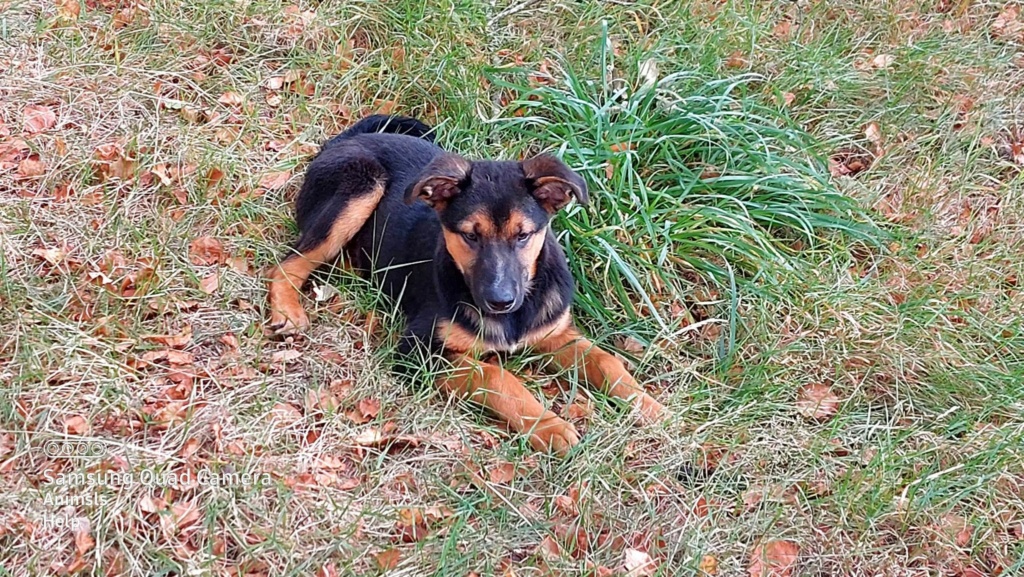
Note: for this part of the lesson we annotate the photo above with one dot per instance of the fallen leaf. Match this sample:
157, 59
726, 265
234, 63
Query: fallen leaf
38, 118
1007, 24
817, 401
76, 425
549, 548
285, 415
112, 162
773, 559
231, 98
649, 72
958, 529
369, 408
874, 135
68, 10
883, 61
630, 345
637, 563
783, 29
321, 400
205, 251
275, 82
177, 341
737, 60
285, 356
709, 565
210, 283
83, 536
388, 559
54, 256
31, 167
275, 180
190, 448
502, 473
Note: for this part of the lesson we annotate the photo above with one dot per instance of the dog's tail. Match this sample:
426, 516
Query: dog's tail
385, 123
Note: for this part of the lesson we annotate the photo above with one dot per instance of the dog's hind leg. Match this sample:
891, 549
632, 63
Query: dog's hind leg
328, 219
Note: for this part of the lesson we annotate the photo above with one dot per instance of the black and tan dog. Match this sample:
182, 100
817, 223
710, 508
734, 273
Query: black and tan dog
465, 248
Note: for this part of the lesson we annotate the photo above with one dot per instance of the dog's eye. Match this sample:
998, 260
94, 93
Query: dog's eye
470, 236
523, 236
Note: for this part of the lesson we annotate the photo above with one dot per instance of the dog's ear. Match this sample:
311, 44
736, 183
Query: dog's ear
441, 180
553, 183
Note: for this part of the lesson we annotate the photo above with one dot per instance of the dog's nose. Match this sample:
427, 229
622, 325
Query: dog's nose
501, 306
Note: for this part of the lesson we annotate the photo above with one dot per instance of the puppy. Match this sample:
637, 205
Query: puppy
465, 248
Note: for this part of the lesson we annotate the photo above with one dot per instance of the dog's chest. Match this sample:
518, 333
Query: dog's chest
495, 336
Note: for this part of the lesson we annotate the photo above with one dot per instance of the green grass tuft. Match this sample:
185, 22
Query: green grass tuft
687, 174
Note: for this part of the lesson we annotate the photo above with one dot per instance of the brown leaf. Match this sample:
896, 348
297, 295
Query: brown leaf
210, 283
883, 61
31, 167
638, 563
737, 60
275, 82
388, 559
630, 345
178, 341
275, 180
773, 559
874, 135
68, 10
239, 264
190, 448
502, 473
958, 529
321, 400
783, 29
83, 536
285, 356
231, 98
374, 438
817, 401
112, 163
285, 415
549, 548
55, 256
205, 251
369, 408
76, 425
1008, 25
38, 118
709, 565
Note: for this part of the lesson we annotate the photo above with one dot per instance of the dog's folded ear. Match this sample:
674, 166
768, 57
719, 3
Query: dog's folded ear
553, 183
441, 180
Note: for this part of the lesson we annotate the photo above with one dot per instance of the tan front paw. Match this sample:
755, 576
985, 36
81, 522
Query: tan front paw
553, 434
651, 411
287, 321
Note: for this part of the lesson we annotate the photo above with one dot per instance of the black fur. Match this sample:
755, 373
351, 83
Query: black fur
401, 246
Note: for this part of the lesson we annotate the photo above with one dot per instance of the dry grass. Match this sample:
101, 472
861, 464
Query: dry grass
169, 125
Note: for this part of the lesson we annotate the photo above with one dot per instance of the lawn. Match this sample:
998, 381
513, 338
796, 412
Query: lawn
806, 238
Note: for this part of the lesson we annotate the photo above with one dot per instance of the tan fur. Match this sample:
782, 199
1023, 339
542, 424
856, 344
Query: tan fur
503, 394
286, 313
601, 370
461, 253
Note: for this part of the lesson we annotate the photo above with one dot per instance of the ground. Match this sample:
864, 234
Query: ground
869, 421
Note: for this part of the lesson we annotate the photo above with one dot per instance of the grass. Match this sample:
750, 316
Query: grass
719, 219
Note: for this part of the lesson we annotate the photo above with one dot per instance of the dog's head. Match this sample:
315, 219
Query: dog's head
495, 216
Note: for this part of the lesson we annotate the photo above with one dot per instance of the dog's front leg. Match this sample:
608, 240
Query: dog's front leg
601, 370
503, 394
